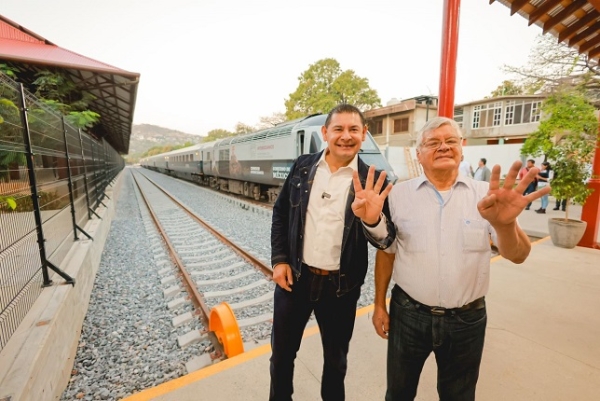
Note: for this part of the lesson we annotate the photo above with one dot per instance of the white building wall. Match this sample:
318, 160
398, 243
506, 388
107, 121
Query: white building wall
504, 155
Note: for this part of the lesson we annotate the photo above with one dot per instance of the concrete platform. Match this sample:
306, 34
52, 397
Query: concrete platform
541, 344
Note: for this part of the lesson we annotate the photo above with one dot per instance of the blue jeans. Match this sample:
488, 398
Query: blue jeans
456, 339
335, 317
532, 187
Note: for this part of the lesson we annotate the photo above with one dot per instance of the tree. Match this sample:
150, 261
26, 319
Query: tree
271, 121
241, 128
507, 88
567, 136
552, 65
215, 134
324, 85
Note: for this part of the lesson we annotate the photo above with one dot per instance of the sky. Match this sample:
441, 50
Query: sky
209, 64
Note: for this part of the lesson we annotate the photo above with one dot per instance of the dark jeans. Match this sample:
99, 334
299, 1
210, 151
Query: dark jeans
561, 202
335, 317
532, 187
456, 340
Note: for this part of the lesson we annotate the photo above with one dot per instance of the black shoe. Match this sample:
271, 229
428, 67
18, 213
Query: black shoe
564, 210
538, 210
527, 208
556, 208
542, 211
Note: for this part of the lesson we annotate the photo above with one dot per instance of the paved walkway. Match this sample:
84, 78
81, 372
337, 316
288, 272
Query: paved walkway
542, 339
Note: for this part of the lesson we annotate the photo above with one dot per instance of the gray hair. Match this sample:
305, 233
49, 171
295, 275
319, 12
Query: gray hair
435, 123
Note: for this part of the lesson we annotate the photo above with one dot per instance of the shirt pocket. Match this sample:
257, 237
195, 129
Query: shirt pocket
413, 236
295, 191
475, 235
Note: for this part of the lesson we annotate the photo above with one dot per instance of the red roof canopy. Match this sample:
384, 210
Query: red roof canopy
115, 89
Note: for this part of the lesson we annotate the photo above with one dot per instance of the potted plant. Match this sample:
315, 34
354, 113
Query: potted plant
566, 136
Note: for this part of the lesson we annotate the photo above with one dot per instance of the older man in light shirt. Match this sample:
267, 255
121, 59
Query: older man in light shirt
440, 263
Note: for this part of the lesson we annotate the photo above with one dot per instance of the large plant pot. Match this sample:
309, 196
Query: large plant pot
566, 234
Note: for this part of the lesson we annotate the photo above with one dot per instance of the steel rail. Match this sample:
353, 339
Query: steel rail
195, 296
259, 265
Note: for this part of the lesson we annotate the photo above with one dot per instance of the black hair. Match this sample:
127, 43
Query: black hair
483, 160
345, 108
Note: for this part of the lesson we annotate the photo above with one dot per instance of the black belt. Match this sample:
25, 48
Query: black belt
320, 272
479, 303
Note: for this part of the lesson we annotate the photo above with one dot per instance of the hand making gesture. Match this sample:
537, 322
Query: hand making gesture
368, 201
503, 204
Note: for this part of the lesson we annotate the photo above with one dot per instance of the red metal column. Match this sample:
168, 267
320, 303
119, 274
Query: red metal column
448, 62
591, 208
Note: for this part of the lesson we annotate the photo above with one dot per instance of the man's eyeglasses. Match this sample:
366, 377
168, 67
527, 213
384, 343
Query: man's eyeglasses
434, 144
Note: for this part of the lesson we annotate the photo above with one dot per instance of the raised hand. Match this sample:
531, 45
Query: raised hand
503, 204
368, 201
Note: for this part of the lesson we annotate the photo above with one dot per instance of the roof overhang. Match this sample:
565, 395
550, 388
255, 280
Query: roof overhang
575, 22
115, 90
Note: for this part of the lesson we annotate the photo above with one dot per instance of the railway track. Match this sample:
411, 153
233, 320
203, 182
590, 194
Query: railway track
229, 290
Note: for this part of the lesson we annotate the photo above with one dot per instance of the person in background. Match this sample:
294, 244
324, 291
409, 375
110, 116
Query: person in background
465, 168
319, 250
440, 263
533, 184
482, 173
543, 177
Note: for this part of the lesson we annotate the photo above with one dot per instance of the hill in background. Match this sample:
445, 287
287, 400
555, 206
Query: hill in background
146, 136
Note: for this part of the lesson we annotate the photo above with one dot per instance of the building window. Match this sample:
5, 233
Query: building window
522, 112
401, 125
378, 127
487, 115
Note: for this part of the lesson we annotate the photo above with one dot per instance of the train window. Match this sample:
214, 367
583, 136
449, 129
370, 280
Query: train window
369, 144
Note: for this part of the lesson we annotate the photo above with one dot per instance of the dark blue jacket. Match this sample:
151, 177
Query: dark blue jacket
289, 216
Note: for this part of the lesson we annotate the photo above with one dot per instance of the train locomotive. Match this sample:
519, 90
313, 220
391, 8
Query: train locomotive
255, 165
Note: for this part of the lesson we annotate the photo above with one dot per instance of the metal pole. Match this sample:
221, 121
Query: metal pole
448, 59
35, 199
70, 181
85, 183
591, 208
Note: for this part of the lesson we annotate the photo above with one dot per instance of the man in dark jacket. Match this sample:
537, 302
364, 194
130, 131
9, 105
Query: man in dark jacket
319, 250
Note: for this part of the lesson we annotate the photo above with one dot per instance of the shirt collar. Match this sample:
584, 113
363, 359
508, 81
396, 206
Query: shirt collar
353, 164
420, 180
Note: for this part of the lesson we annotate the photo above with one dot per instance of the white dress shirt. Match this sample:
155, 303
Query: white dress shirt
324, 229
442, 243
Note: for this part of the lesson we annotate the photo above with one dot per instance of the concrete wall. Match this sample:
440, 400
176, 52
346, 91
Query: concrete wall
35, 365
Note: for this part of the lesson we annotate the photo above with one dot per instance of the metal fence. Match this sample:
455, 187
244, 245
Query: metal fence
52, 178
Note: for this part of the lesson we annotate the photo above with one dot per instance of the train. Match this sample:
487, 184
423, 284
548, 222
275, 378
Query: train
255, 165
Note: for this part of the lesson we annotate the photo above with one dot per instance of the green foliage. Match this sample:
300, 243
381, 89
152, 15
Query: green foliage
241, 128
324, 85
9, 70
54, 86
47, 201
83, 119
567, 137
217, 134
507, 88
156, 150
8, 201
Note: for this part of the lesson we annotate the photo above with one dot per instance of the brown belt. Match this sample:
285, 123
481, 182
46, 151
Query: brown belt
320, 272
